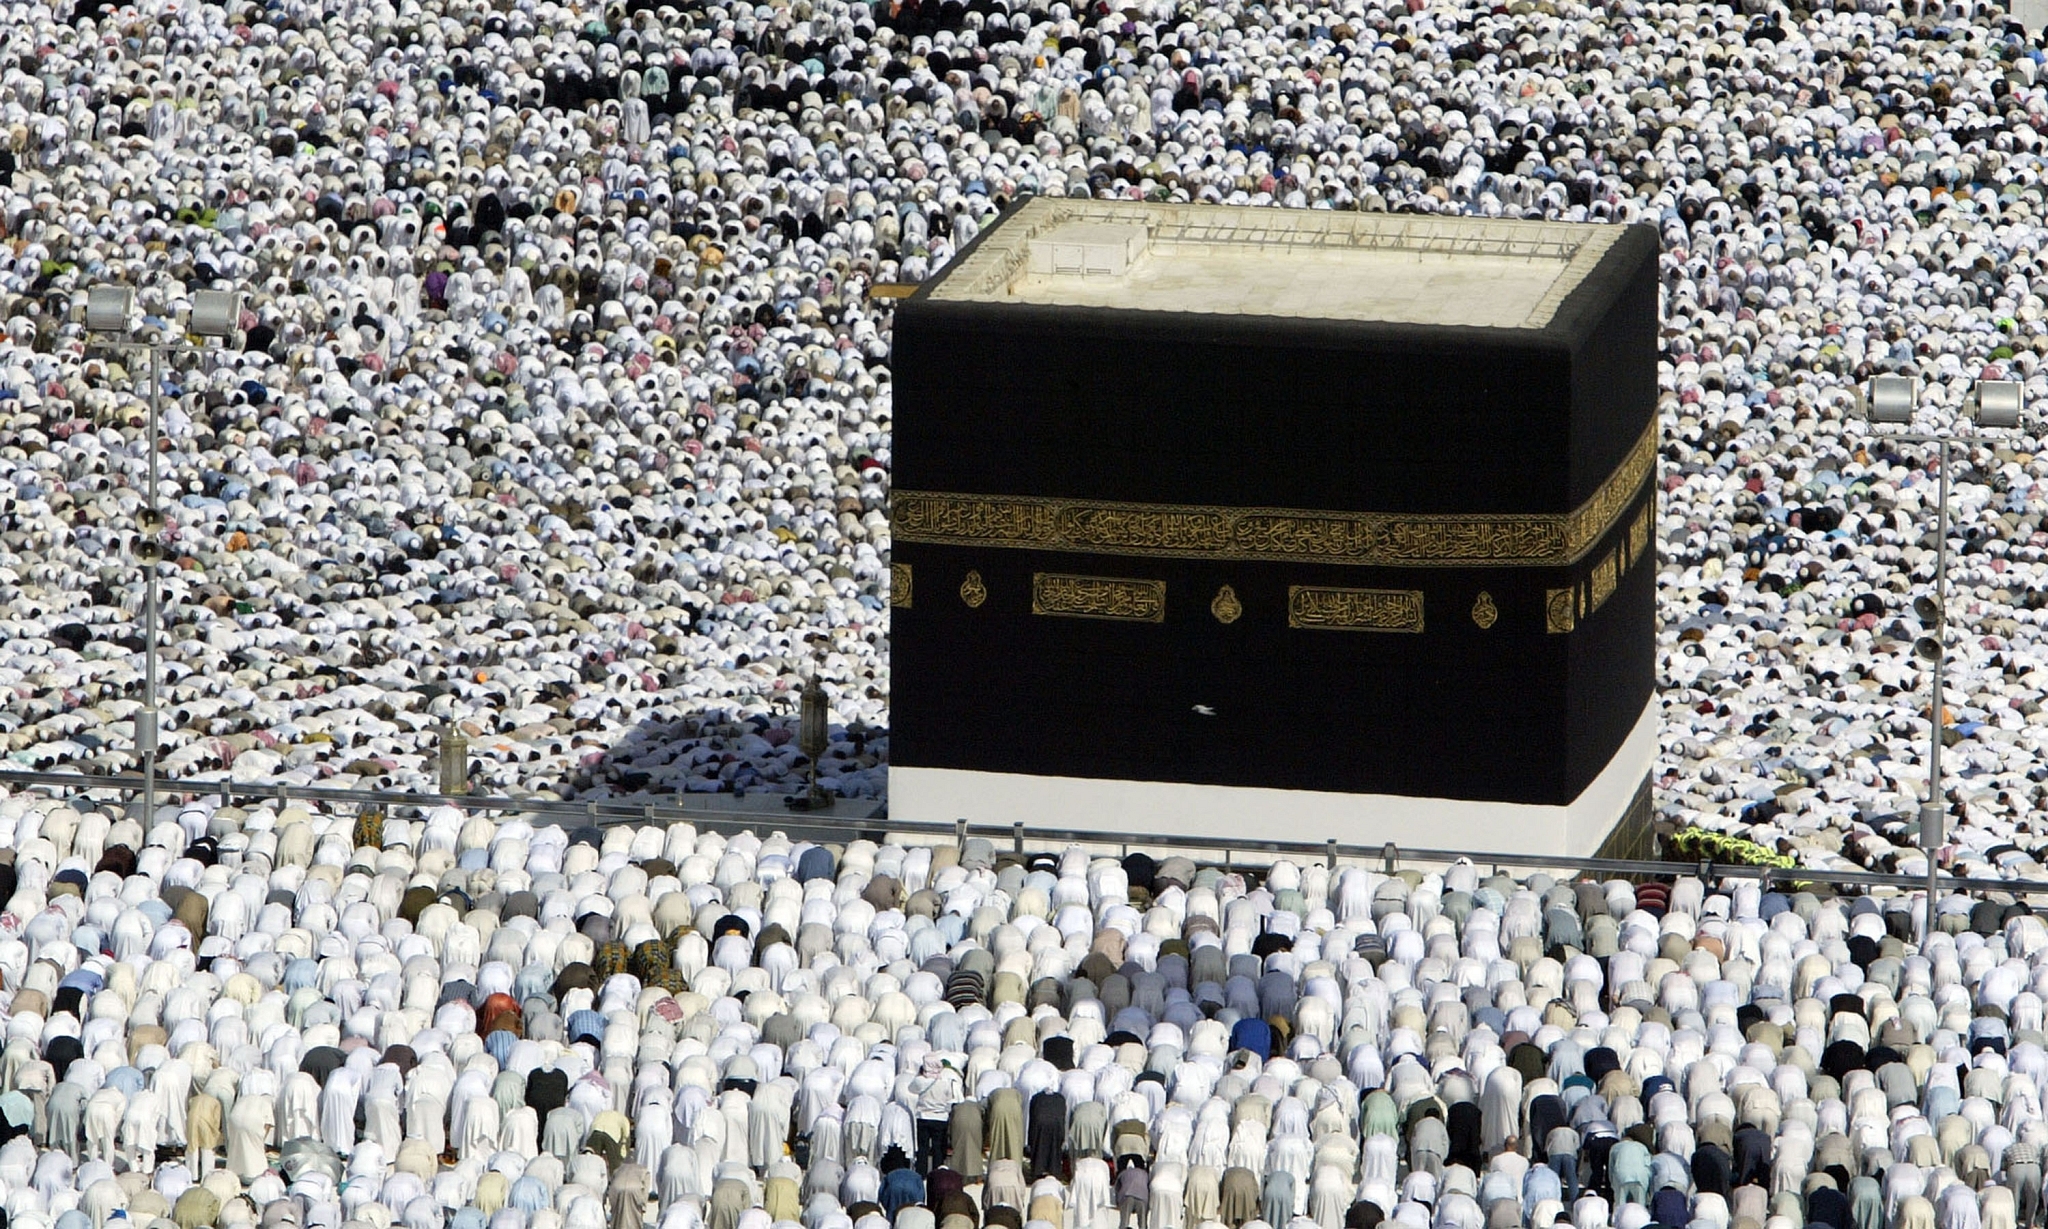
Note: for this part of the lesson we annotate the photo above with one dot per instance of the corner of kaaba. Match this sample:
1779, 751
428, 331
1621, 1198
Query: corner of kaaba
1297, 524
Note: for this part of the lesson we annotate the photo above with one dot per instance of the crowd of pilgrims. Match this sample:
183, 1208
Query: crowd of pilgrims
559, 409
252, 1017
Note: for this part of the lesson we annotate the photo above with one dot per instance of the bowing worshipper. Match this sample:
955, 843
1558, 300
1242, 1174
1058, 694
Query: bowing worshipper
1828, 1205
1542, 1184
2022, 1164
611, 1136
1132, 1187
480, 1129
298, 1108
1996, 1210
1202, 1194
1957, 1208
1048, 1202
1501, 1111
1238, 1196
196, 1208
1046, 1136
1668, 1207
1093, 1197
781, 1192
1458, 1210
1712, 1169
1276, 1197
104, 1111
203, 1132
340, 1098
1795, 1147
1755, 1156
626, 1196
251, 1122
65, 1119
769, 1115
1429, 1144
1166, 1207
1004, 1186
1003, 1125
1973, 1163
1464, 1131
729, 1199
1628, 1172
563, 1133
142, 1128
17, 1116
902, 1185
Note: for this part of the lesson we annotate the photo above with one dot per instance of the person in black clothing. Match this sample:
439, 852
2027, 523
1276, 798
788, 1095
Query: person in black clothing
1045, 1136
1754, 1154
547, 1090
1711, 1169
1463, 1125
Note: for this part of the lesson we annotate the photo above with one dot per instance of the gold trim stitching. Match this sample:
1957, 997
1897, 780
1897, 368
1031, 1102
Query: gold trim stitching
1484, 612
973, 591
1565, 608
899, 585
1606, 575
1379, 539
1320, 607
1558, 610
1226, 607
1639, 535
1098, 597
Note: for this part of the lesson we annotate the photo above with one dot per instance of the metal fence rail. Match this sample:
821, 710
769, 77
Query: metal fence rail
1021, 838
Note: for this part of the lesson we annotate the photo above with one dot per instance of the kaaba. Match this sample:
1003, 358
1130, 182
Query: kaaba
1233, 522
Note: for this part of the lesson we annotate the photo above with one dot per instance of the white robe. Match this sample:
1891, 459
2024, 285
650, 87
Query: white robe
1094, 1197
298, 1113
382, 1122
520, 1132
1169, 1181
479, 1137
338, 1101
142, 1127
249, 1127
173, 1083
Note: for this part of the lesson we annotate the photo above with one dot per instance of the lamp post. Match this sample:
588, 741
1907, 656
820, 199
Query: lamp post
1994, 404
811, 738
108, 313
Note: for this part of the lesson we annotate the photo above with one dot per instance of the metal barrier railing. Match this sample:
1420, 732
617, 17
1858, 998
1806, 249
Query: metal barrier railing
1022, 838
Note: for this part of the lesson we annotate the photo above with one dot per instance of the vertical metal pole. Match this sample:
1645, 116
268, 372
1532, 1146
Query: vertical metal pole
145, 741
1931, 825
155, 394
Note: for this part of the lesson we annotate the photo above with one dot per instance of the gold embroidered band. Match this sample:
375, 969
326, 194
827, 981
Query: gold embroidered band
1366, 610
1563, 608
1098, 597
1379, 539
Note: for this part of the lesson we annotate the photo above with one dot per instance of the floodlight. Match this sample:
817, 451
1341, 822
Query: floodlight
215, 313
1892, 399
1999, 403
107, 308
